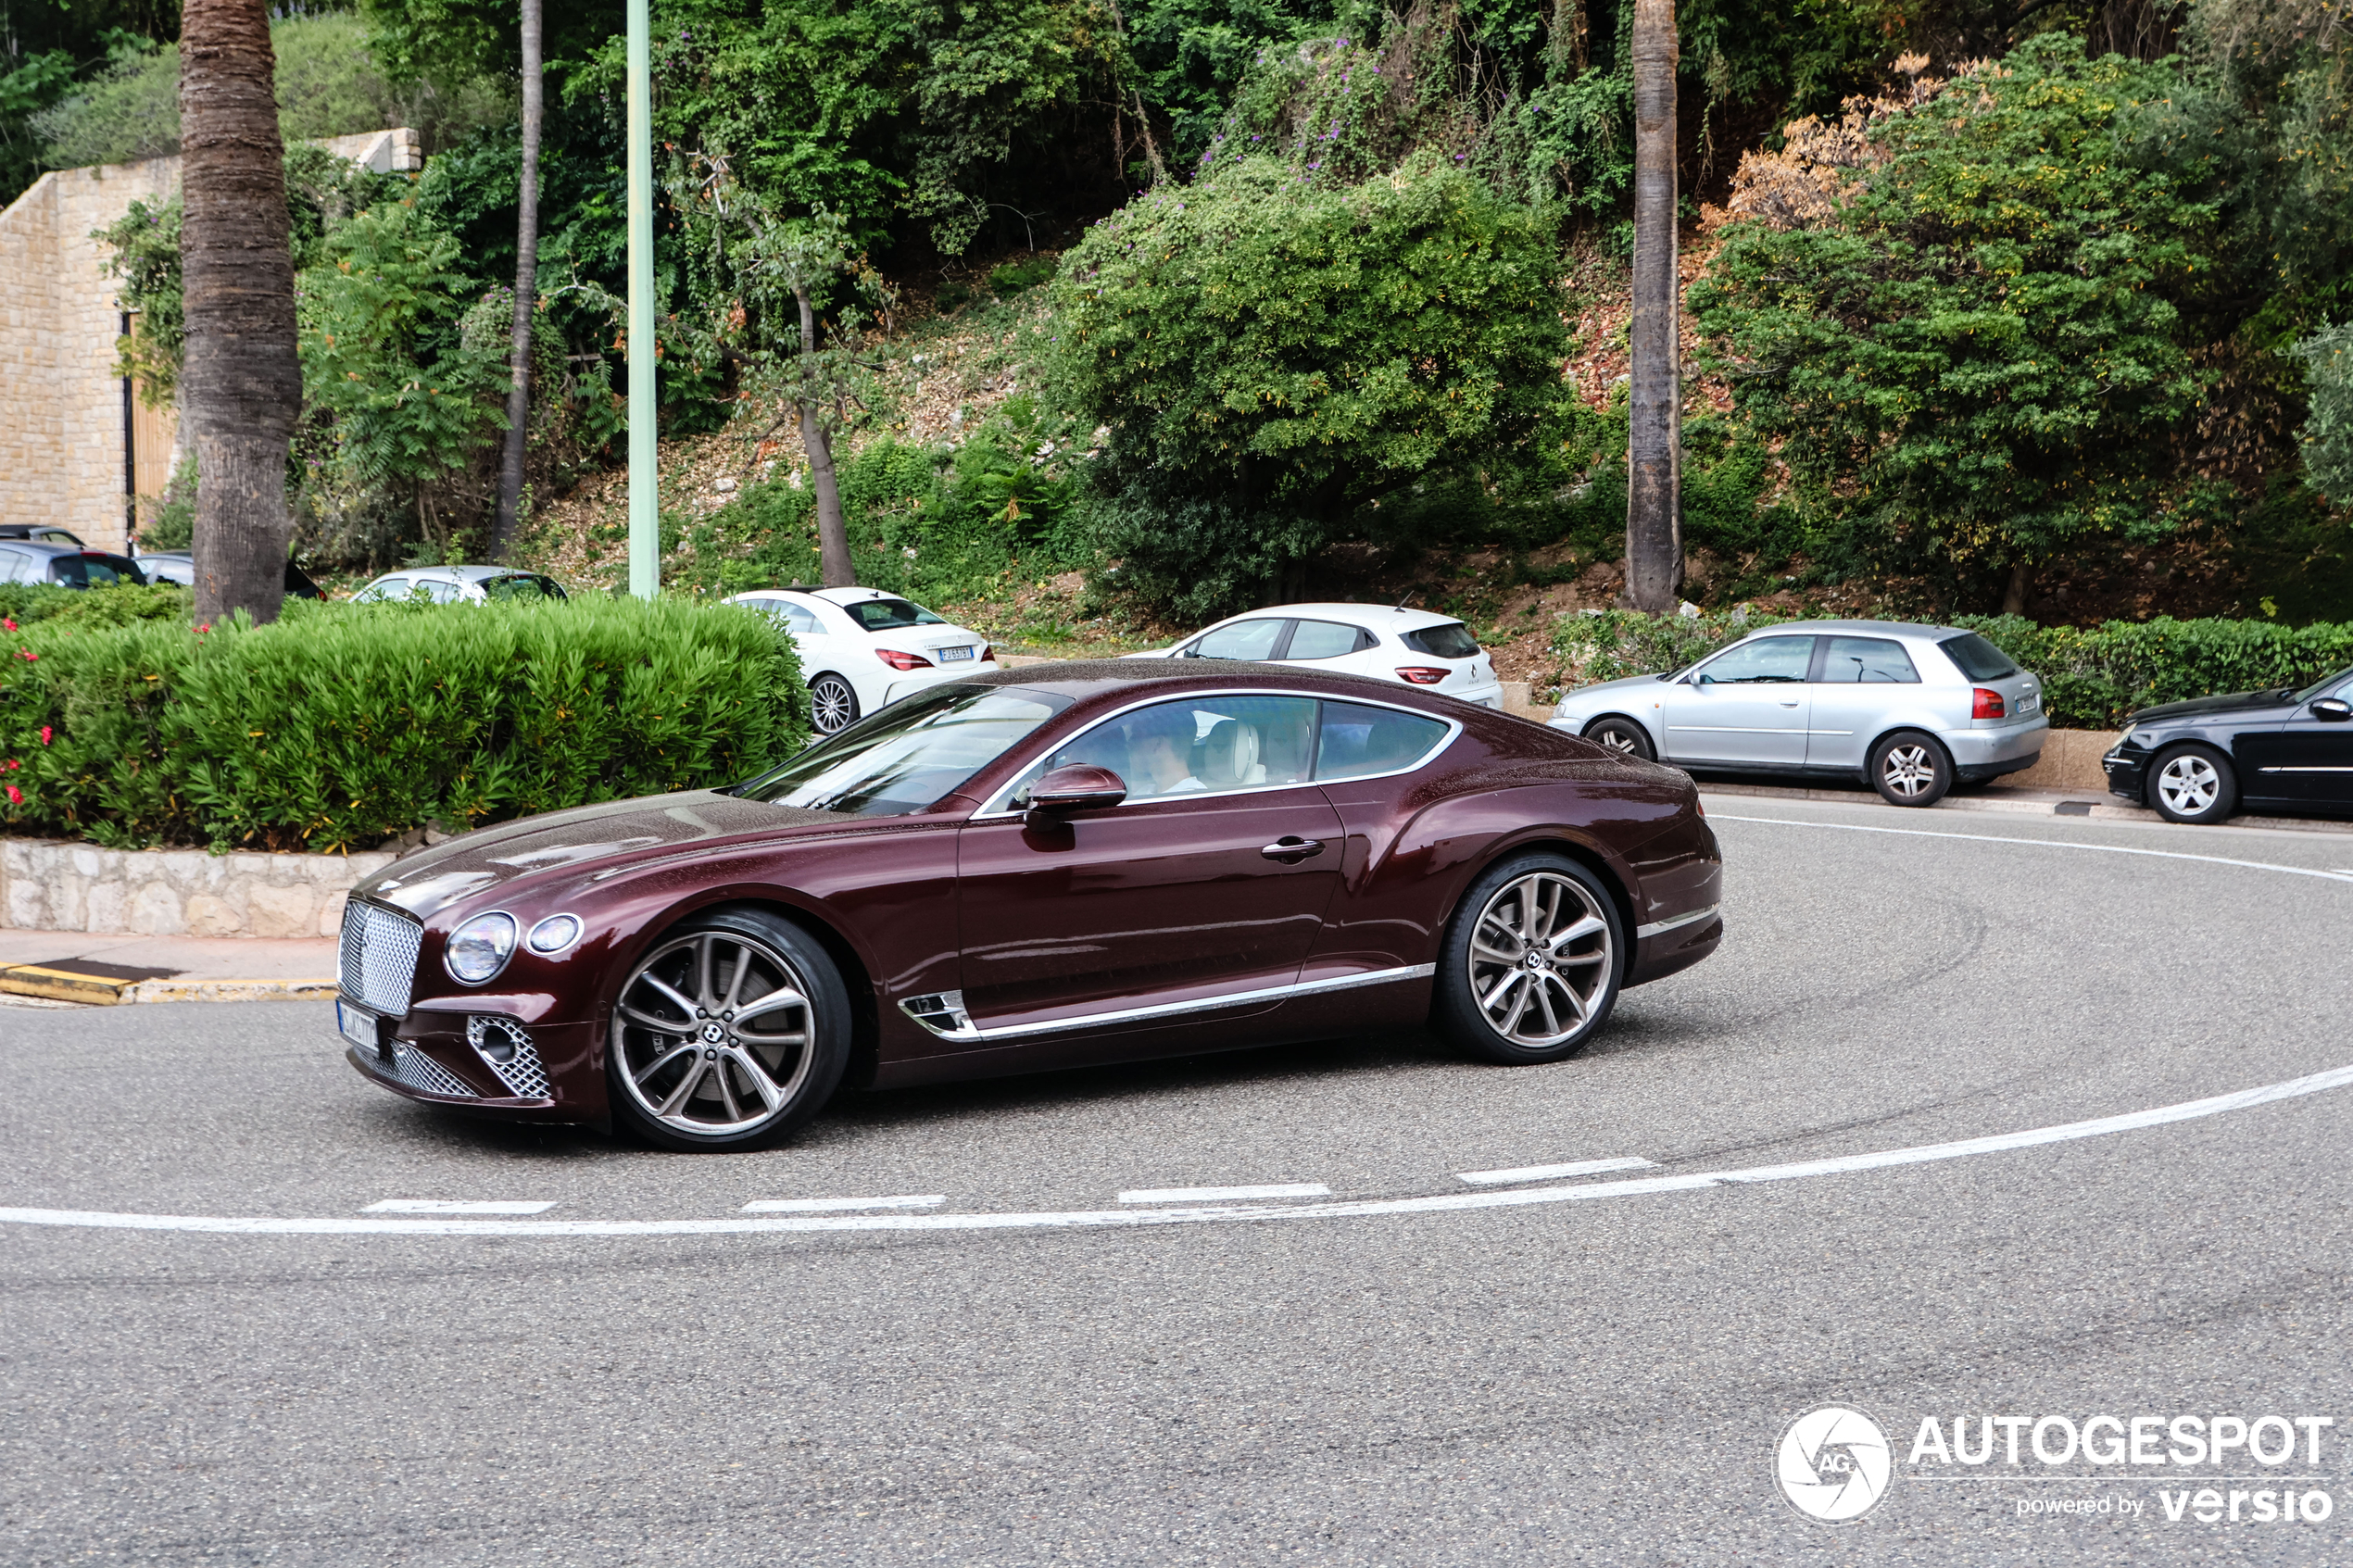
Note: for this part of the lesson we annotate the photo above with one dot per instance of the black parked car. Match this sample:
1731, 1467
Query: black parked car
46, 533
2283, 750
178, 566
69, 566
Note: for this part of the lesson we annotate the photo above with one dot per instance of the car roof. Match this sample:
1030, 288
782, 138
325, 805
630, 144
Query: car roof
1127, 678
166, 554
54, 550
1381, 617
843, 595
1868, 628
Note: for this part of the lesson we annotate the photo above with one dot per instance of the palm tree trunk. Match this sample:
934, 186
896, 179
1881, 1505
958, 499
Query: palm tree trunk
240, 385
1654, 499
502, 529
833, 535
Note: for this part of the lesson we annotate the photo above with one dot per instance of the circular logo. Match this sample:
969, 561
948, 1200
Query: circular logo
1834, 1465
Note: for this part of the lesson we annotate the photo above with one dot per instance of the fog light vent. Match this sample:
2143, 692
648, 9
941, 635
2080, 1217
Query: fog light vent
507, 1049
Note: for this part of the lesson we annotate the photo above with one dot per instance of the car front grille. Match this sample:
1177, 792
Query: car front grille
421, 1072
379, 957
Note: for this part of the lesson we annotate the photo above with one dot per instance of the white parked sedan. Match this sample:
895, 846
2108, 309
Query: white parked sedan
1911, 710
460, 585
861, 648
1416, 646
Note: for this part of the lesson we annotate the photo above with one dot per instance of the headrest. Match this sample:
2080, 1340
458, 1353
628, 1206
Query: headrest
1230, 753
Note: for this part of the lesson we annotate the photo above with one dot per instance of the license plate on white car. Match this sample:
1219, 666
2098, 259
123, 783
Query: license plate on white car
358, 1026
950, 656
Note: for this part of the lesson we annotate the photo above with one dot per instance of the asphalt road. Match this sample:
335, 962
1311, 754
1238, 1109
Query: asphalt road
1601, 1380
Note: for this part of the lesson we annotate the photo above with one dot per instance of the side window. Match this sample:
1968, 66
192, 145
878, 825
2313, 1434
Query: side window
1323, 639
1196, 746
1867, 661
1768, 658
440, 593
12, 566
1243, 639
801, 621
73, 571
1354, 741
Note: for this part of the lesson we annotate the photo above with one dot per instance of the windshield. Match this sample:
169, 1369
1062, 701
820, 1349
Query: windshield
910, 755
890, 615
2318, 687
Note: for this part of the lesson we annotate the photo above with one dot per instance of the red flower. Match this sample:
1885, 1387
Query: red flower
7, 624
206, 627
46, 732
15, 795
27, 654
13, 764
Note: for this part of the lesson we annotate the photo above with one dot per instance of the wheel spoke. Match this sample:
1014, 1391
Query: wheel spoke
665, 1059
782, 997
1510, 979
655, 1022
1585, 927
798, 1037
726, 1090
1543, 993
766, 1087
669, 991
1495, 955
1519, 1006
735, 978
684, 1092
703, 945
1576, 1003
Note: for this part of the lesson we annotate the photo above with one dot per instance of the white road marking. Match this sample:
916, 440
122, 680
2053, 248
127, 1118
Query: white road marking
452, 1206
827, 1205
1554, 1173
2046, 844
1452, 1202
1219, 1194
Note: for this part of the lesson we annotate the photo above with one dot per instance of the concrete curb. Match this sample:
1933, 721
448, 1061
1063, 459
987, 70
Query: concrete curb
62, 983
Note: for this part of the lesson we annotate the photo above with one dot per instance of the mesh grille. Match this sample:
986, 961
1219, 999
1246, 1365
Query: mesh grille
508, 1051
421, 1072
379, 956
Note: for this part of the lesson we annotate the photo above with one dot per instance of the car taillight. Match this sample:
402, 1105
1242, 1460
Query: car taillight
1422, 674
987, 653
898, 661
1989, 706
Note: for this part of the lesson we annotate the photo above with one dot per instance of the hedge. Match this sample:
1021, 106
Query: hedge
341, 725
2093, 677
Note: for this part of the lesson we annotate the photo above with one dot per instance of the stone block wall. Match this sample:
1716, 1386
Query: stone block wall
62, 421
60, 885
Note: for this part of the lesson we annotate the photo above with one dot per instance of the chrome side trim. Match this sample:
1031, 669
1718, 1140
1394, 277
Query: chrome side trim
1673, 923
943, 1013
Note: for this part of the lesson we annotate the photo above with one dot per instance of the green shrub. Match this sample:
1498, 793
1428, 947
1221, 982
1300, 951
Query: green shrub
341, 725
28, 603
2093, 677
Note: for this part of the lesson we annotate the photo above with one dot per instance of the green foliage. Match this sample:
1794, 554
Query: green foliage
1268, 358
410, 399
117, 604
2328, 428
2093, 677
340, 725
128, 111
1977, 359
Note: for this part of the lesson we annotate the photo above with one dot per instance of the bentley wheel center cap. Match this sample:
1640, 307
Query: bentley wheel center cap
1534, 960
712, 1033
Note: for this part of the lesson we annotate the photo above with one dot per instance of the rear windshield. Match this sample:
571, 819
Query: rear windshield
1977, 659
1451, 641
890, 615
93, 569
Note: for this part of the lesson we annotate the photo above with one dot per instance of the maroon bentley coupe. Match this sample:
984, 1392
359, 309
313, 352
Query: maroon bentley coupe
1035, 869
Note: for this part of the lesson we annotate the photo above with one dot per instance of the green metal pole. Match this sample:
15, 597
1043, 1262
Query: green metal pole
645, 476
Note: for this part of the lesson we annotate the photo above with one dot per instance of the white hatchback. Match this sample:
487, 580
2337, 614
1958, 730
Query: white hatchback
1417, 647
861, 648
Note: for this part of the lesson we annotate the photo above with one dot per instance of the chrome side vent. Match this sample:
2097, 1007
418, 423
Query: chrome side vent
508, 1050
421, 1072
943, 1013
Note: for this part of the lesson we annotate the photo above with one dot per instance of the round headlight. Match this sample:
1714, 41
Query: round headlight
555, 934
481, 948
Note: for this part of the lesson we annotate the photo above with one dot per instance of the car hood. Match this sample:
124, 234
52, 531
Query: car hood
1632, 683
2201, 707
431, 879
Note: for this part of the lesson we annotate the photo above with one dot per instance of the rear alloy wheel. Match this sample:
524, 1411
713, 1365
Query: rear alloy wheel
1623, 736
2194, 783
833, 704
1911, 769
732, 1033
1531, 963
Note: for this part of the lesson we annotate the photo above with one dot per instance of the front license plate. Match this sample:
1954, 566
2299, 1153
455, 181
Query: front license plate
358, 1026
950, 656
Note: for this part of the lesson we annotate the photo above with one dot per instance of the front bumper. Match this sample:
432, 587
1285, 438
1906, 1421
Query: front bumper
2127, 773
1985, 754
488, 1061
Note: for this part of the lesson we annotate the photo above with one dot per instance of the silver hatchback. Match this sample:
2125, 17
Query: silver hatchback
1910, 709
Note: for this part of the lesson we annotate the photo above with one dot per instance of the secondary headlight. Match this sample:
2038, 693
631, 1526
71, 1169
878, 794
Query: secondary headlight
481, 948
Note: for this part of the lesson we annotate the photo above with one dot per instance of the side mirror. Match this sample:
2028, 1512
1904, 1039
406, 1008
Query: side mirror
1080, 788
2331, 709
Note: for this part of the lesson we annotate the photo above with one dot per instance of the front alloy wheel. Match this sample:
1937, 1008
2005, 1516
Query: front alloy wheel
728, 1034
2194, 785
1534, 963
832, 705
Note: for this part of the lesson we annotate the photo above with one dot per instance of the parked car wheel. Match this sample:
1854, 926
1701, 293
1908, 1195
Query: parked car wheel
730, 1035
1910, 769
1623, 736
833, 704
1531, 962
2194, 783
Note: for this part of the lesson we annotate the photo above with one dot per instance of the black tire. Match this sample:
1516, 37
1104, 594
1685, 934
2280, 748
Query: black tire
2193, 784
689, 1088
1473, 1005
1911, 768
1623, 736
833, 704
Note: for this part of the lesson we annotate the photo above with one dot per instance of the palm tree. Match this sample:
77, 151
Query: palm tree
502, 530
1655, 400
241, 385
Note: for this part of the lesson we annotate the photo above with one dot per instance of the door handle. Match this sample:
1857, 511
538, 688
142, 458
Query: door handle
1791, 704
1290, 849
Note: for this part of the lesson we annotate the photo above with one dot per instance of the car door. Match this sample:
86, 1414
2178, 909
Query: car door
1210, 880
2306, 762
1856, 683
1747, 706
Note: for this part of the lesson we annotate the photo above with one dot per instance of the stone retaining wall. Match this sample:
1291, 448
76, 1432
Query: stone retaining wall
54, 885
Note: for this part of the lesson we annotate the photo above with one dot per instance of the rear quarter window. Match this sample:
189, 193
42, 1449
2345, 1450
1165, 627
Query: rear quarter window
1977, 659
